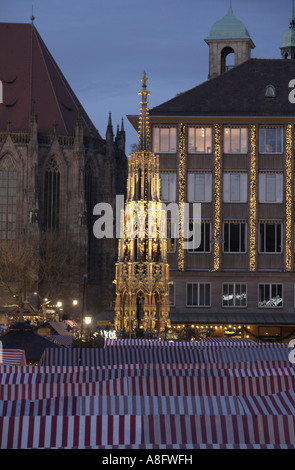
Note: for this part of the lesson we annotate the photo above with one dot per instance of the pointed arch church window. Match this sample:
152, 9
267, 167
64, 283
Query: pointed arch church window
8, 196
52, 196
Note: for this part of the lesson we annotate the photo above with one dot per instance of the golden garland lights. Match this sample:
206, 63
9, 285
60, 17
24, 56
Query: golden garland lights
252, 264
181, 194
217, 199
288, 195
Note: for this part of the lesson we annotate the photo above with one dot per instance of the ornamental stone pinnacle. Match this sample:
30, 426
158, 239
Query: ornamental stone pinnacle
144, 125
142, 271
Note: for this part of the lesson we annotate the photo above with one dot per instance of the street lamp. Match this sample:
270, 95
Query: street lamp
83, 306
59, 306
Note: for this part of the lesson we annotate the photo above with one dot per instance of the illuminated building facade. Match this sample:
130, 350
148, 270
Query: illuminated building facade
229, 145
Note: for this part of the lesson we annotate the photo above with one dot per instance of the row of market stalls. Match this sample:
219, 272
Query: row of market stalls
145, 394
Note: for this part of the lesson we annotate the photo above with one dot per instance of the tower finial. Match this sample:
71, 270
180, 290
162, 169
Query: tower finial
292, 16
144, 127
32, 16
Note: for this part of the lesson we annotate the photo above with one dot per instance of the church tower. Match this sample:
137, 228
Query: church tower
142, 271
228, 36
288, 43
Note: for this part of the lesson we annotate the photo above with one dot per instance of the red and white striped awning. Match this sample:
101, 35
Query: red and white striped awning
12, 357
142, 397
163, 355
187, 431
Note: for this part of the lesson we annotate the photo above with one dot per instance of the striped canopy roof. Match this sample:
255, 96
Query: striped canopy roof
142, 395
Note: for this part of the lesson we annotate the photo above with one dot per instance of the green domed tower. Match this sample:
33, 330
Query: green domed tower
228, 36
288, 43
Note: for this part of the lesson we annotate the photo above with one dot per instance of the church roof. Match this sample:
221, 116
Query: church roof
33, 82
238, 92
229, 27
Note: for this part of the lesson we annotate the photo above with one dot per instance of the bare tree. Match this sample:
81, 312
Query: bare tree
60, 264
18, 269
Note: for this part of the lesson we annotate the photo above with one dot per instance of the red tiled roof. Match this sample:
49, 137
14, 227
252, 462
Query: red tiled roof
31, 78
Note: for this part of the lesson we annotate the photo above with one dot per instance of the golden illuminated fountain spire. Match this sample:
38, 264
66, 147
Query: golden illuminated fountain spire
142, 271
144, 124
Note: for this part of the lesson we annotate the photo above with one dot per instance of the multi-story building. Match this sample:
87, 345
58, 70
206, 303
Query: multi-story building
54, 166
228, 144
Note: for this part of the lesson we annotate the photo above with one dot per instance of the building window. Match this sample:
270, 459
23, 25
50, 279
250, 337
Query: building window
205, 245
270, 295
235, 187
270, 140
171, 236
270, 237
234, 234
271, 187
52, 196
198, 294
171, 294
168, 186
199, 187
270, 92
234, 295
164, 139
200, 139
235, 140
8, 194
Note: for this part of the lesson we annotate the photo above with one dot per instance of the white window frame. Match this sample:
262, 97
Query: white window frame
234, 284
228, 130
170, 189
170, 232
192, 184
263, 187
172, 139
172, 304
263, 251
270, 284
243, 187
231, 222
264, 151
203, 222
207, 139
198, 284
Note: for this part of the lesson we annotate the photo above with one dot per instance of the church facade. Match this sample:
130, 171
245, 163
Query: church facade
228, 144
54, 167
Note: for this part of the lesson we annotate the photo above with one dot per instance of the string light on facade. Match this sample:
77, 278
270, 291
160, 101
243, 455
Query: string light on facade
252, 263
289, 132
217, 198
181, 191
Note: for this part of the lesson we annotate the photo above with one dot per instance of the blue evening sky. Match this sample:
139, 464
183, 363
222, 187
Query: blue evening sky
103, 46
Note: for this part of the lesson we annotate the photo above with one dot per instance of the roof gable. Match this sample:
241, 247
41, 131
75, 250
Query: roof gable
32, 80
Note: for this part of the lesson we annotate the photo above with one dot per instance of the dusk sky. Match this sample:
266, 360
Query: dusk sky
103, 46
